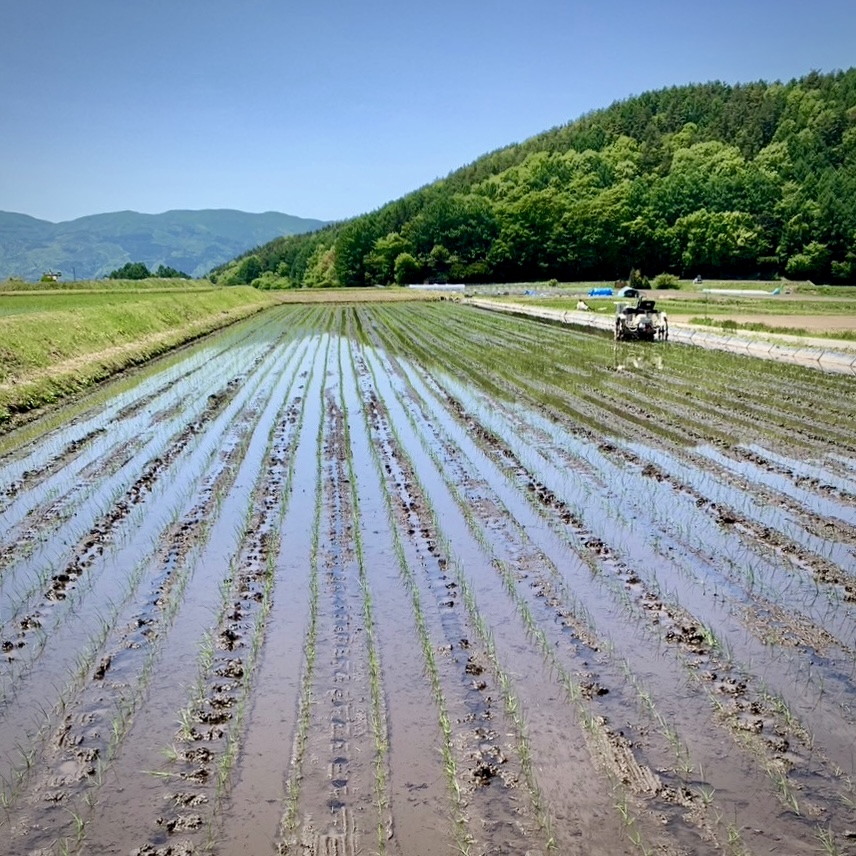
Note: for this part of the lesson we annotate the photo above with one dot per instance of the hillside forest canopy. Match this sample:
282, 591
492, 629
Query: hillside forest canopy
710, 179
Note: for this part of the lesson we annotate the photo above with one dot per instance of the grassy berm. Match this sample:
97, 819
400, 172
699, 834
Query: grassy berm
54, 343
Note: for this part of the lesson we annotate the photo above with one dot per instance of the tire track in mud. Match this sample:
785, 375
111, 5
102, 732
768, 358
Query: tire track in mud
257, 794
335, 808
416, 801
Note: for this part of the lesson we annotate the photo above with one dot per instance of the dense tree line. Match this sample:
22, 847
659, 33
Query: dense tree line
139, 270
706, 179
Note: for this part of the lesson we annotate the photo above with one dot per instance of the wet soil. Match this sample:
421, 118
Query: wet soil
385, 579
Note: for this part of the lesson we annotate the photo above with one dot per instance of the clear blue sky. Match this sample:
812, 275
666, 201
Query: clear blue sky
330, 108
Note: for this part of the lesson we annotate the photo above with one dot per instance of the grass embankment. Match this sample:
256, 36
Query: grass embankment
126, 286
762, 327
48, 353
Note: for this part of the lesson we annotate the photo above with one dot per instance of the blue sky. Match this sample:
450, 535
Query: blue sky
331, 108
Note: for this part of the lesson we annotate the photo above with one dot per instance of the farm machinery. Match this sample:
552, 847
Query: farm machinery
641, 321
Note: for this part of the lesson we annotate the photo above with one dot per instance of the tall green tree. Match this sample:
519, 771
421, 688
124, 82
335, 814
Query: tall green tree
131, 270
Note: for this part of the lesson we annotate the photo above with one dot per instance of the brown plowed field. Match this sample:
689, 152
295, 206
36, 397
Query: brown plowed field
415, 579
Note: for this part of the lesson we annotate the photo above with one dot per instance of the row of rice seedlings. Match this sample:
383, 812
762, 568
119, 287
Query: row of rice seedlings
554, 429
512, 703
31, 445
694, 527
82, 668
378, 713
561, 359
127, 700
819, 569
125, 709
572, 687
289, 821
271, 526
78, 597
738, 588
84, 661
176, 465
154, 459
810, 477
720, 656
727, 388
712, 639
177, 391
463, 840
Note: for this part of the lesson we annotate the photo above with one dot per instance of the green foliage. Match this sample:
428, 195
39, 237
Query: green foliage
321, 268
811, 263
407, 270
666, 280
165, 272
271, 281
380, 263
717, 241
637, 280
248, 270
131, 270
711, 179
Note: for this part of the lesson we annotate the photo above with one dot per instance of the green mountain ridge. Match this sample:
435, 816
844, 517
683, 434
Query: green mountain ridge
90, 247
755, 179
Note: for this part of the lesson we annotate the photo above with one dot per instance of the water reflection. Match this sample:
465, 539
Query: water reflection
635, 357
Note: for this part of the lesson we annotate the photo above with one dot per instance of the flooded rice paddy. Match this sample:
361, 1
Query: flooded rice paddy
417, 579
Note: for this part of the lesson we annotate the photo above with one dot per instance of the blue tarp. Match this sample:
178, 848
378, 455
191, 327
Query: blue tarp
600, 292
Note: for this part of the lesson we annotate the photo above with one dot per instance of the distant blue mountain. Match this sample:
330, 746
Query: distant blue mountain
91, 247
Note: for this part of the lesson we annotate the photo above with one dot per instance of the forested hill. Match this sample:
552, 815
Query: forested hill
701, 179
91, 247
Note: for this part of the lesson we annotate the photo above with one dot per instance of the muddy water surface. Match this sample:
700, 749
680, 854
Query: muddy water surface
419, 580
